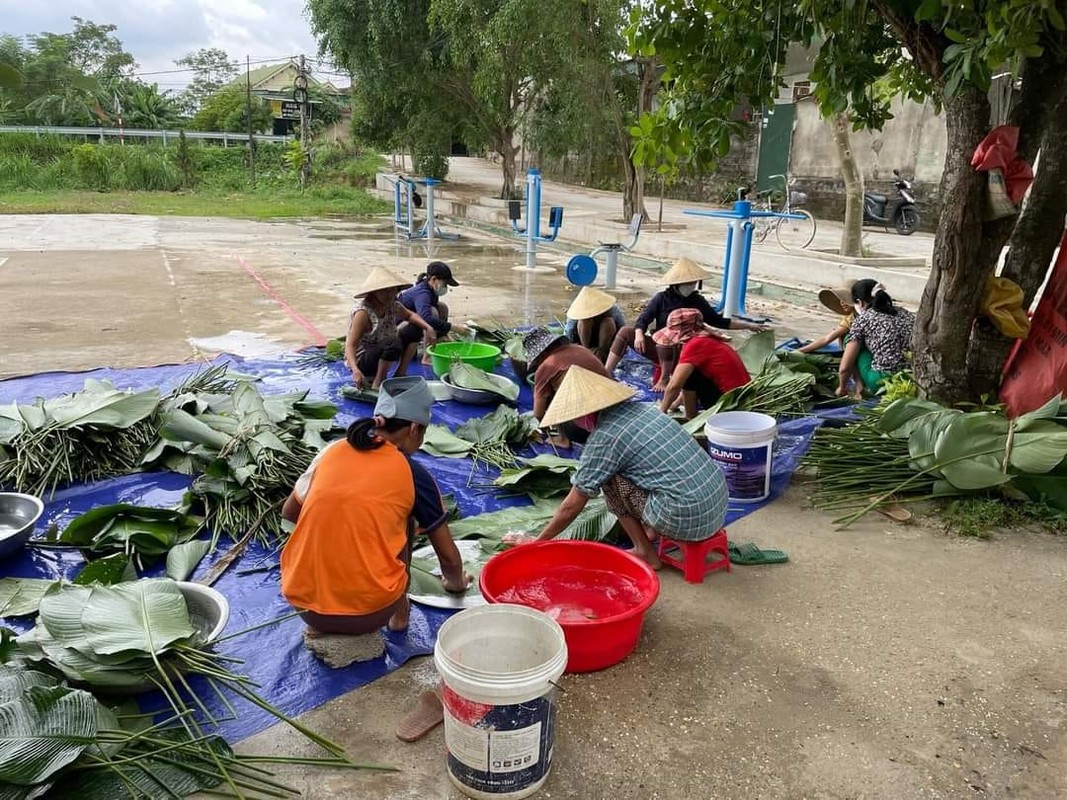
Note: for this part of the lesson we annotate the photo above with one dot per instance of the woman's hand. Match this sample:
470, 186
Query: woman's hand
456, 586
358, 378
639, 342
513, 538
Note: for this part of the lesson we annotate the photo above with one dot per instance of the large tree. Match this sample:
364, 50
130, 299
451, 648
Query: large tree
718, 52
211, 69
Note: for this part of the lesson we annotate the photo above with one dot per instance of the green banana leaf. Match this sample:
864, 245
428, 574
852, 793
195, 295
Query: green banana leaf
505, 424
756, 350
440, 441
150, 532
102, 404
20, 597
143, 617
466, 376
180, 426
183, 559
43, 730
106, 571
542, 476
594, 523
159, 772
360, 395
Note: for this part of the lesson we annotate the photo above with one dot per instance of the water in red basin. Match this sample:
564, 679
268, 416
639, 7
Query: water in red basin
576, 594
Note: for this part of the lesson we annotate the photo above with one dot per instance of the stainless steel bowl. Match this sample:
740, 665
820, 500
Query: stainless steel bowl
476, 397
209, 611
18, 519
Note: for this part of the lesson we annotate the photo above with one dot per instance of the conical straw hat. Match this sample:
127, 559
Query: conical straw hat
583, 392
381, 278
836, 299
684, 271
590, 303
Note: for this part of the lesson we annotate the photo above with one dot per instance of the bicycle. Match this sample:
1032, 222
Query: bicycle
792, 234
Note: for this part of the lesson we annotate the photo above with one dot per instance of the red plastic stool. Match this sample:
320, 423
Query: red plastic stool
692, 557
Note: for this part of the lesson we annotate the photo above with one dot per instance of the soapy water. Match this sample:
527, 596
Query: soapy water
576, 594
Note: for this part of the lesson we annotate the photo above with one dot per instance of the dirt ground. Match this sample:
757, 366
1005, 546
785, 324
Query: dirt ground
884, 661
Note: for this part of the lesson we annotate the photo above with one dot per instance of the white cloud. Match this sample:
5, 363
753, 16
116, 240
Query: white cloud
157, 32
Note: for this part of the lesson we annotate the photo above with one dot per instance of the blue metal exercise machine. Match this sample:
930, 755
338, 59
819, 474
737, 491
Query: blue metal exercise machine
738, 252
532, 231
406, 199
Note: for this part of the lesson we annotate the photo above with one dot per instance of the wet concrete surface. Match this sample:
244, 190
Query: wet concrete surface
884, 661
78, 292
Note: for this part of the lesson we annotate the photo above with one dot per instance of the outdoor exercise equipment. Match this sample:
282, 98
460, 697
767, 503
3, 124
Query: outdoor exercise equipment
532, 213
582, 268
738, 252
406, 199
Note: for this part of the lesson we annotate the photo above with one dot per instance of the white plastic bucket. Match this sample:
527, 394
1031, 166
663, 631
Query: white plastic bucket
499, 664
740, 442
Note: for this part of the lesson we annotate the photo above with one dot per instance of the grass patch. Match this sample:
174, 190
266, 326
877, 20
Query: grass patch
981, 517
272, 204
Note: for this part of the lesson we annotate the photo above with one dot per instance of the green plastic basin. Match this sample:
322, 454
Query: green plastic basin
477, 354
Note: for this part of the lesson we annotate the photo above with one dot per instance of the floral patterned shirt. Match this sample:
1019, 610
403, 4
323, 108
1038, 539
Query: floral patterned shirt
887, 336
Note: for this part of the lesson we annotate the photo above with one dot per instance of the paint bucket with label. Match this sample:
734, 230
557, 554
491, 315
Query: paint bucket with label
499, 664
740, 442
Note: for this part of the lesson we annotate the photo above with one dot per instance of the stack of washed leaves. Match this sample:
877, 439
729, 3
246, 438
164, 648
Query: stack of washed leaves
918, 448
111, 641
489, 440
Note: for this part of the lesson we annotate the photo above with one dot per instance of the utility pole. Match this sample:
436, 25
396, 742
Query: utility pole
300, 95
248, 112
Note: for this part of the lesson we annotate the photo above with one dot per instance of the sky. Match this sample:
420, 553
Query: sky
157, 32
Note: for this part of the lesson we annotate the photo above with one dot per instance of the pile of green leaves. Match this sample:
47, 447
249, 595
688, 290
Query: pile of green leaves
321, 356
488, 440
595, 523
540, 477
249, 451
466, 376
92, 434
97, 433
123, 639
919, 448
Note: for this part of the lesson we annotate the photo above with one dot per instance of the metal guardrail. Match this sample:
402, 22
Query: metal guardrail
132, 133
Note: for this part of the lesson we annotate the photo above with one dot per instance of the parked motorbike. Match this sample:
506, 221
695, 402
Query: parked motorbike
900, 212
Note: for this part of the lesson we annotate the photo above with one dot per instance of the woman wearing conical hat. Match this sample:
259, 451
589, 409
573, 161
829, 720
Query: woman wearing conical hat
593, 320
373, 345
655, 478
681, 292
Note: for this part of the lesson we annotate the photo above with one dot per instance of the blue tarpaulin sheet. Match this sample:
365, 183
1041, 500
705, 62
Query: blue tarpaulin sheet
274, 656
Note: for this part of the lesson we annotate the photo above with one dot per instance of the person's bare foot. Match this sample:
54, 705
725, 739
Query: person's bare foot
560, 441
401, 617
651, 559
659, 387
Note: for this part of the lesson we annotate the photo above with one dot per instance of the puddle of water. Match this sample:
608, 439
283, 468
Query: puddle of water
241, 343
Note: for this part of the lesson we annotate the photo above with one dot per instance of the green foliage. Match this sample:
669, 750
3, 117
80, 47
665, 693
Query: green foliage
148, 108
722, 56
980, 517
227, 110
212, 68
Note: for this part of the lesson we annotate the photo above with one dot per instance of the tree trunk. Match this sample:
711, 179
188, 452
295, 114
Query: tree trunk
852, 232
507, 150
957, 275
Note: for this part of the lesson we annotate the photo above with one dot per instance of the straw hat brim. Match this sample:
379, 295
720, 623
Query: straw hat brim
684, 271
590, 303
381, 278
835, 299
583, 392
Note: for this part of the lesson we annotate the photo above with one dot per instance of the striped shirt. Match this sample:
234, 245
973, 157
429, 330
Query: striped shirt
687, 493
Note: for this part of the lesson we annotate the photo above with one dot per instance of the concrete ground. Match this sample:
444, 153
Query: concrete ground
884, 661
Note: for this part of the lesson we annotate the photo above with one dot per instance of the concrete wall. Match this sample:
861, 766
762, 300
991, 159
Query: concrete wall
913, 141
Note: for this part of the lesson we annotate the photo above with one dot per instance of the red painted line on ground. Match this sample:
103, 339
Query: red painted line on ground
316, 335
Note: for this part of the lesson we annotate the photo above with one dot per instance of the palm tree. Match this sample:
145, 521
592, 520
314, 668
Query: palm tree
148, 108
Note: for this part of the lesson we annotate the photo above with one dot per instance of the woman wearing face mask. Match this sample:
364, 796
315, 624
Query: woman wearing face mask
655, 477
681, 292
373, 343
878, 340
424, 298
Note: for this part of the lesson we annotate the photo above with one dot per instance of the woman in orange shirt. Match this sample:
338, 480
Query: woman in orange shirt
356, 510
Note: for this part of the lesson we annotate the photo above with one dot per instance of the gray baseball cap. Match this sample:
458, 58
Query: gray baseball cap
405, 398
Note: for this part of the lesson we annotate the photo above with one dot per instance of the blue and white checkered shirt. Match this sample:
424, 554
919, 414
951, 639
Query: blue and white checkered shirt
687, 494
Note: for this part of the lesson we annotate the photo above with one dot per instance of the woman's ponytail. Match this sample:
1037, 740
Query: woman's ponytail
361, 433
873, 294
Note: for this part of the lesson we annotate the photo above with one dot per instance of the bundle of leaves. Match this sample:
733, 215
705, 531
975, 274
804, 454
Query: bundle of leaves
919, 448
465, 376
122, 639
92, 434
488, 440
594, 524
541, 477
249, 450
321, 356
121, 537
97, 433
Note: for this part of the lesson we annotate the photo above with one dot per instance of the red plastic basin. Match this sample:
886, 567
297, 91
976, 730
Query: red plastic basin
597, 593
